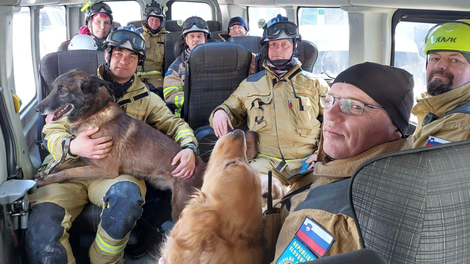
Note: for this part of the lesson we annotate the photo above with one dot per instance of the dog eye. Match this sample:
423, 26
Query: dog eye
61, 90
232, 163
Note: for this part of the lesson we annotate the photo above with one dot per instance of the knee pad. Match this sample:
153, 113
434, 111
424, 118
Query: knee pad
44, 233
123, 210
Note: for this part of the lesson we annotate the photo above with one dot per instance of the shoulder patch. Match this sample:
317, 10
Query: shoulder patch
256, 77
168, 72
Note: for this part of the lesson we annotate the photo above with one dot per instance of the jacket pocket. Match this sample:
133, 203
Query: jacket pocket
305, 113
259, 113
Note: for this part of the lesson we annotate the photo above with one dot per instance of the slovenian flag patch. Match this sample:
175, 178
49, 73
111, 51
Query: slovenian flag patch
433, 141
311, 241
315, 237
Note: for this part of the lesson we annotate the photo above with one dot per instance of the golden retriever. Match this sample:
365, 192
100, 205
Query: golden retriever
222, 222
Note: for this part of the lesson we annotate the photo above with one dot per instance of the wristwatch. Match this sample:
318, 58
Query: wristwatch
192, 147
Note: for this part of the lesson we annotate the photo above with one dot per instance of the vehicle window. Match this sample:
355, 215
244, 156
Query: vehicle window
183, 10
22, 58
408, 55
125, 11
257, 13
52, 29
328, 29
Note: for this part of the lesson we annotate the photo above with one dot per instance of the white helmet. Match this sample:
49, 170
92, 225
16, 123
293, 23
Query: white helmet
82, 42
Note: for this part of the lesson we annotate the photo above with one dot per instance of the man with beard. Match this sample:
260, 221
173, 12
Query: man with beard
443, 111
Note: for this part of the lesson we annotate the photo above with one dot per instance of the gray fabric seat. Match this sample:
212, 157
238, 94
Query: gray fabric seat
414, 206
308, 54
250, 42
215, 70
136, 23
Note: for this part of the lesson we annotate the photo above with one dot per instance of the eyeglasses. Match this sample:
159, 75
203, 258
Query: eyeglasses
199, 22
276, 29
101, 8
236, 27
346, 105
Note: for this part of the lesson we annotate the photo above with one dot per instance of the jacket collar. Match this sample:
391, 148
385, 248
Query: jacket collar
296, 69
440, 104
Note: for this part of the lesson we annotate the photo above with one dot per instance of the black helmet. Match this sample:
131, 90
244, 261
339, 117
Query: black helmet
98, 8
127, 38
195, 24
155, 10
280, 28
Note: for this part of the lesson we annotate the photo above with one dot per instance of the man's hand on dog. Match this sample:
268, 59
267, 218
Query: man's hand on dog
84, 146
187, 164
221, 122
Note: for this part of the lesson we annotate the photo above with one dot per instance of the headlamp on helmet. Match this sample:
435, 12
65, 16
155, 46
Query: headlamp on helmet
127, 38
450, 36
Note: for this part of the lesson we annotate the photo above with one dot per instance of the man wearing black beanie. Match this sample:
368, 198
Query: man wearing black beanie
366, 114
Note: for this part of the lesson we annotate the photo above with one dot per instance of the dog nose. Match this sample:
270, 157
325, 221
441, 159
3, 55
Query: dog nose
38, 108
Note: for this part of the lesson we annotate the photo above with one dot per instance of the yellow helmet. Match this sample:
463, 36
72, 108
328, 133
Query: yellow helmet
452, 36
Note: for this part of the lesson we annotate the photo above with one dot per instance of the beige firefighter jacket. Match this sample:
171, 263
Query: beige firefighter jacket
453, 127
342, 227
286, 122
154, 60
138, 103
155, 51
173, 84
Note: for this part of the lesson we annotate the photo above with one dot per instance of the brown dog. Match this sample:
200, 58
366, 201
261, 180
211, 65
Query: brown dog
138, 149
222, 222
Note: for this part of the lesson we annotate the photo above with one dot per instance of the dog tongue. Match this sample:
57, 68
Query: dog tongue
49, 117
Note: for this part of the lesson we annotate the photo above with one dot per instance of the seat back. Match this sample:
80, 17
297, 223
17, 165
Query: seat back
250, 42
413, 206
308, 54
215, 71
136, 23
213, 25
171, 39
54, 64
172, 26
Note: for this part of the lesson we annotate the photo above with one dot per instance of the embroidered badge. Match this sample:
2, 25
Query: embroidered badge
295, 252
311, 241
433, 141
168, 73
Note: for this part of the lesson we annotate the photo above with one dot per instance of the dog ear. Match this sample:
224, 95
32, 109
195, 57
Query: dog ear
92, 83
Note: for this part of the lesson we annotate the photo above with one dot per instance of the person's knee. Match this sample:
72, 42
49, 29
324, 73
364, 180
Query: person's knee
124, 207
44, 233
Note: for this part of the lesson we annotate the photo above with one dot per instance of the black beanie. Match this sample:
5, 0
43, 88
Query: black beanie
237, 21
390, 87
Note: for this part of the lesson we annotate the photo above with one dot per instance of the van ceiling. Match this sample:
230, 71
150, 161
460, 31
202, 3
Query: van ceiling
458, 5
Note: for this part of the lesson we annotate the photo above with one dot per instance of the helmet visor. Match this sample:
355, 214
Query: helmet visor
120, 36
153, 10
199, 22
101, 8
276, 29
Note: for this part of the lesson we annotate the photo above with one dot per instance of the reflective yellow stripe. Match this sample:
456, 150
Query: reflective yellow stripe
183, 133
107, 248
179, 101
149, 73
51, 141
170, 89
278, 159
178, 112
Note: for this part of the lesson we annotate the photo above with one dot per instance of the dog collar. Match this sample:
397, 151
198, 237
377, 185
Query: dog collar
93, 115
